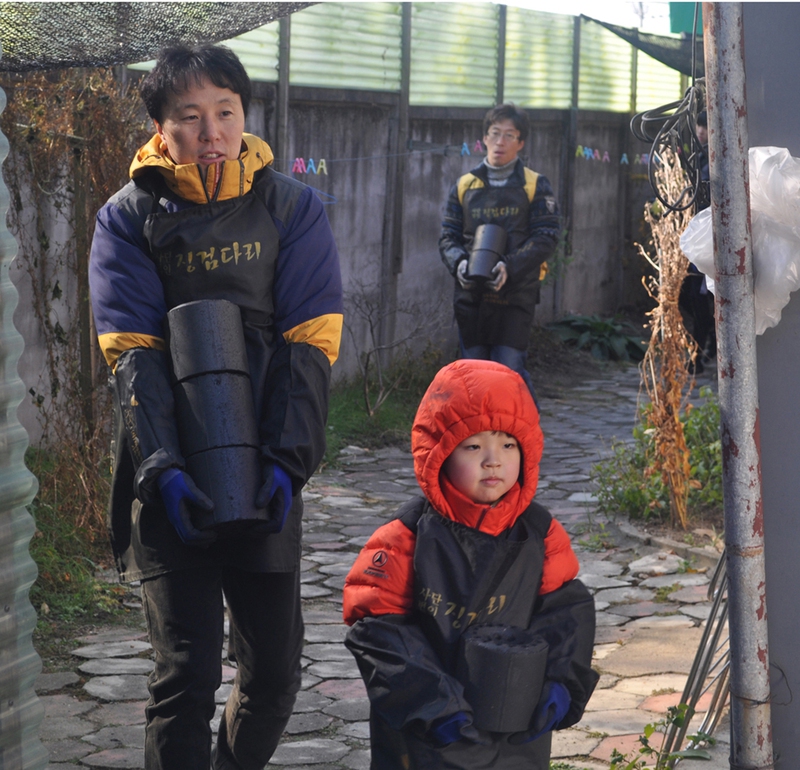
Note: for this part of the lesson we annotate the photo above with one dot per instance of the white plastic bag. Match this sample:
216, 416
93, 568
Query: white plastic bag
775, 219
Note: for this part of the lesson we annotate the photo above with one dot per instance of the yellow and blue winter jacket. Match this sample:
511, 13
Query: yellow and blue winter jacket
241, 232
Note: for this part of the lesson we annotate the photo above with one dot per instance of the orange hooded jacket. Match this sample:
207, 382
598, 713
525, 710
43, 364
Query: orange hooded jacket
465, 398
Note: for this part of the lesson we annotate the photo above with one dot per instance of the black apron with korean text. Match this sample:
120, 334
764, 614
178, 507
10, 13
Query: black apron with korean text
228, 250
464, 577
223, 250
487, 317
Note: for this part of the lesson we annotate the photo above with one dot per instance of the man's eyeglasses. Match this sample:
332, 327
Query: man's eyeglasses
495, 136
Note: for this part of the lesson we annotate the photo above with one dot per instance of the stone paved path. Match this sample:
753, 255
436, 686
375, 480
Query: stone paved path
646, 637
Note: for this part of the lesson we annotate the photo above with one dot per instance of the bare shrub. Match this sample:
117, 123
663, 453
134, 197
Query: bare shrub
665, 374
419, 323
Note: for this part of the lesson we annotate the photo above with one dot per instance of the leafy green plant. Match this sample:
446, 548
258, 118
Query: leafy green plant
608, 339
601, 540
660, 758
663, 593
66, 588
629, 485
701, 428
561, 259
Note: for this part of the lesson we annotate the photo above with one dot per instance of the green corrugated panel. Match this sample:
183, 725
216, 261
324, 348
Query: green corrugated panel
538, 59
21, 711
656, 84
454, 54
605, 71
258, 51
347, 45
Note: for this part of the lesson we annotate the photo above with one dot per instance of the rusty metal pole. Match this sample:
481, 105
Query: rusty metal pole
751, 731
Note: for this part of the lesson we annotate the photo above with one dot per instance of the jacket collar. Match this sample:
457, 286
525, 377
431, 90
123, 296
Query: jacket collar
518, 174
186, 180
491, 519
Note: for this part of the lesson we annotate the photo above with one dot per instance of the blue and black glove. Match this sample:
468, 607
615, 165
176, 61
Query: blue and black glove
553, 707
180, 495
448, 729
276, 496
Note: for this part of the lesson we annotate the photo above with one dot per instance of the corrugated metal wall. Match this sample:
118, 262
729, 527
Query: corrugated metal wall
538, 59
605, 70
258, 51
347, 45
656, 84
454, 54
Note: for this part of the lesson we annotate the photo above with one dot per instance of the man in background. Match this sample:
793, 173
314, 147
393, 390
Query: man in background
495, 318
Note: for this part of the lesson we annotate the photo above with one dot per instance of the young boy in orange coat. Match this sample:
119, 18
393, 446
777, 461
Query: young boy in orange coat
475, 555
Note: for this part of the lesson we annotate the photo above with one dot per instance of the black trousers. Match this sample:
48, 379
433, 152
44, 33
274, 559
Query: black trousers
185, 614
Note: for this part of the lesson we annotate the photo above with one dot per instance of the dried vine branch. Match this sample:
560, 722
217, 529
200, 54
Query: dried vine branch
665, 372
72, 134
378, 378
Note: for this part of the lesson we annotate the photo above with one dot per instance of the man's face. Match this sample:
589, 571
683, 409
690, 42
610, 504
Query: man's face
502, 143
203, 124
702, 134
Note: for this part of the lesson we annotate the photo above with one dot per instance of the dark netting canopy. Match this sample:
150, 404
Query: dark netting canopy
39, 36
672, 51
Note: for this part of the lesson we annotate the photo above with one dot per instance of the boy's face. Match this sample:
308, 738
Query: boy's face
484, 466
203, 124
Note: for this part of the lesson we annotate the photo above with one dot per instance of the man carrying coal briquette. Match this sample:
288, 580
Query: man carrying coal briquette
206, 218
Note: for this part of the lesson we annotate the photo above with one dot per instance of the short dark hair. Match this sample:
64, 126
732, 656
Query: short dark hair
177, 66
702, 119
511, 112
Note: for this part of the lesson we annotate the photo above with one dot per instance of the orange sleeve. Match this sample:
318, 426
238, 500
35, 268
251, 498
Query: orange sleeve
560, 561
381, 581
